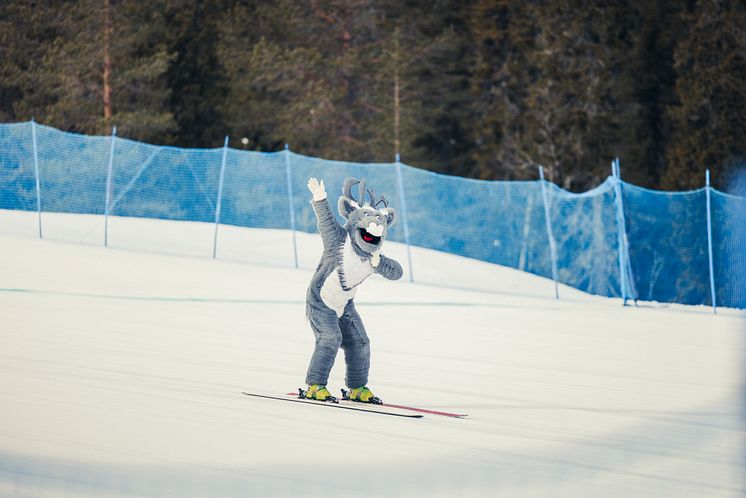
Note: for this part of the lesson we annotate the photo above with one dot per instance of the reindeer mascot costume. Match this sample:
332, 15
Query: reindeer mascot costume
351, 254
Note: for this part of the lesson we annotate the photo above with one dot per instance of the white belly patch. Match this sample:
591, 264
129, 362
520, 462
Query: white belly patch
351, 271
334, 295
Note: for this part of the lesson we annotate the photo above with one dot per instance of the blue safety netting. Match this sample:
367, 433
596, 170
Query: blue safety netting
162, 182
729, 249
17, 175
616, 240
668, 244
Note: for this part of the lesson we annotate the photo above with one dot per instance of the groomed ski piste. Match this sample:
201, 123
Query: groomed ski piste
121, 372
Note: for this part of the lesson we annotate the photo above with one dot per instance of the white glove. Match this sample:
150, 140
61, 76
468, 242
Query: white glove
375, 259
317, 189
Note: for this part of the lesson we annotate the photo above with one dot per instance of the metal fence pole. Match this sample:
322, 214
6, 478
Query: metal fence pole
620, 243
108, 186
290, 203
36, 173
620, 229
631, 288
709, 242
403, 204
552, 245
219, 202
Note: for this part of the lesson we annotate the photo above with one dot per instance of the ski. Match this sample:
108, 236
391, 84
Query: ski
425, 410
378, 401
342, 406
399, 407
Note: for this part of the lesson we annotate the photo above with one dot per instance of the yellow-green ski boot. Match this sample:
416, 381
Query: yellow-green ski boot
319, 393
362, 395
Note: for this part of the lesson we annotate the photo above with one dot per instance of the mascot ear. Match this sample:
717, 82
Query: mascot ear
346, 206
390, 216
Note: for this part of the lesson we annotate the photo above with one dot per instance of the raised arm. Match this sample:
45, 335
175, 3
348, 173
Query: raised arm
389, 268
331, 232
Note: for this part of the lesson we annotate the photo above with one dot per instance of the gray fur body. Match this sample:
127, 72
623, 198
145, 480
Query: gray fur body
345, 264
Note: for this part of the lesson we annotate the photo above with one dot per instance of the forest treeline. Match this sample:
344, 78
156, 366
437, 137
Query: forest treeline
478, 88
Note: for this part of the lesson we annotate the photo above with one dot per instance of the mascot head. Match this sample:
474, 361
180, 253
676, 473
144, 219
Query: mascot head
367, 221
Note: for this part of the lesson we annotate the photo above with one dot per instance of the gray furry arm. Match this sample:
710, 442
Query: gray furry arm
331, 233
389, 268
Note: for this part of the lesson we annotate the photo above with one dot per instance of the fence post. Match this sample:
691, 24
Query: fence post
624, 264
526, 233
290, 203
552, 246
709, 242
108, 186
36, 173
403, 205
620, 244
219, 202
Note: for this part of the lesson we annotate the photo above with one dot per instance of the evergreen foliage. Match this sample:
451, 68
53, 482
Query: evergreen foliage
52, 66
709, 117
484, 88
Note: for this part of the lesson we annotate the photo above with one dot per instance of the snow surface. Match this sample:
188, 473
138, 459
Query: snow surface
121, 372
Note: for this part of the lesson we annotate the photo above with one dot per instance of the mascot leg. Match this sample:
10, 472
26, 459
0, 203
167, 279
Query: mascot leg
356, 346
325, 327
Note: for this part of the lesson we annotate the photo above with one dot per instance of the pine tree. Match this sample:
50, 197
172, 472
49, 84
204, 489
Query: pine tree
23, 40
434, 64
54, 67
307, 77
549, 84
486, 88
41, 70
710, 119
645, 126
140, 59
195, 77
322, 77
502, 33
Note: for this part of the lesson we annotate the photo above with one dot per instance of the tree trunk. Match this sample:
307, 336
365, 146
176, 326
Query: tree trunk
396, 93
107, 65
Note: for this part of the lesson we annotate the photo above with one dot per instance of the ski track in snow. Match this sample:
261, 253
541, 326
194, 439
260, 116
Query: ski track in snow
121, 374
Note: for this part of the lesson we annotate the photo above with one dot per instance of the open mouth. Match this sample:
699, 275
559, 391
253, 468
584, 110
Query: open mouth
368, 237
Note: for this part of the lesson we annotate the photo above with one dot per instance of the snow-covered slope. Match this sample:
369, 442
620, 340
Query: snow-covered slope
121, 373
